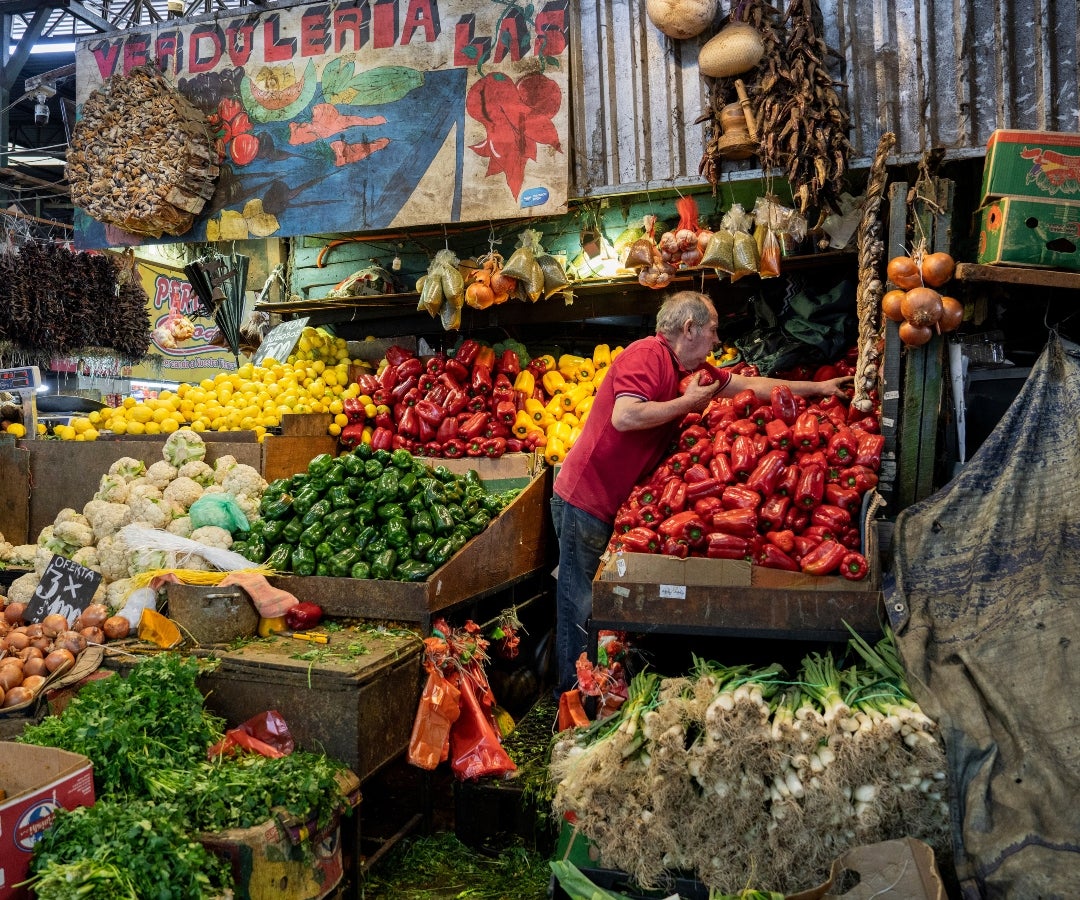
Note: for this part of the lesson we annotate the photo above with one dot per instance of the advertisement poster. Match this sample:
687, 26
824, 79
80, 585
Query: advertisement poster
359, 115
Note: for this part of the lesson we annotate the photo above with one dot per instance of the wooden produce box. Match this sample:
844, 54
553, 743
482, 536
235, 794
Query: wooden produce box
353, 699
510, 549
645, 592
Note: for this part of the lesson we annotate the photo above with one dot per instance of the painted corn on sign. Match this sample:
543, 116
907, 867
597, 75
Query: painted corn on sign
360, 115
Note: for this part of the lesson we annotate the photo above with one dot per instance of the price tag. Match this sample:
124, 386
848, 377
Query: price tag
279, 343
66, 588
673, 592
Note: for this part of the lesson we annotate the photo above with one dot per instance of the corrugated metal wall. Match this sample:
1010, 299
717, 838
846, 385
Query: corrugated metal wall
936, 72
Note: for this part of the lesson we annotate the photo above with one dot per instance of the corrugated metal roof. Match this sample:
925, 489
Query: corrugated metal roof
938, 74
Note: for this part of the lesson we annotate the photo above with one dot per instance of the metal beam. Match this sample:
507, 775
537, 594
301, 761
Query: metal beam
18, 59
81, 13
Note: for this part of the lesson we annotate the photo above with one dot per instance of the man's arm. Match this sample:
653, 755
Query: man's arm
633, 413
834, 387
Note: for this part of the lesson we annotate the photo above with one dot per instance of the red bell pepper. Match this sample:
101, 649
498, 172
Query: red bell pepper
806, 432
707, 487
456, 371
851, 538
701, 452
868, 452
767, 472
772, 557
744, 403
433, 448
485, 357
825, 373
841, 448
744, 456
399, 390
672, 498
508, 363
707, 506
796, 519
811, 486
679, 462
514, 445
761, 443
409, 368
721, 443
625, 519
453, 448
660, 477
870, 424
384, 420
697, 472
352, 434
782, 403
430, 412
473, 426
854, 566
726, 546
816, 458
824, 559
675, 547
506, 412
640, 540
743, 522
720, 468
400, 442
684, 526
467, 352
396, 355
426, 432
773, 511
447, 429
353, 409
538, 366
648, 495
741, 426
494, 447
717, 416
367, 383
803, 546
785, 539
382, 439
788, 482
736, 496
689, 421
435, 363
821, 533
474, 446
691, 436
426, 382
762, 416
845, 498
778, 433
480, 383
831, 517
858, 477
649, 514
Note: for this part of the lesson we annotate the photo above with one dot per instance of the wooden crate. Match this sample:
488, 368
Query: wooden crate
510, 549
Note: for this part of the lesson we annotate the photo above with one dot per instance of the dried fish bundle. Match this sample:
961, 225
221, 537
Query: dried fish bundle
141, 156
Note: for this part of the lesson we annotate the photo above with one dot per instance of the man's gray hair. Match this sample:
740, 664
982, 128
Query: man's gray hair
679, 307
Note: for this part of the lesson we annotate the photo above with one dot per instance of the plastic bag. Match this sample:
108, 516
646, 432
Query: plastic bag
744, 255
571, 711
431, 295
769, 261
523, 264
475, 748
440, 706
265, 734
221, 510
138, 600
718, 252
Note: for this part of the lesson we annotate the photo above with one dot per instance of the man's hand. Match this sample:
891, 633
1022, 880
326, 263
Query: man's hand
836, 387
698, 394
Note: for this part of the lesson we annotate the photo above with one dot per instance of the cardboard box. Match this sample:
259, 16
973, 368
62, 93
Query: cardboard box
1020, 232
1039, 164
284, 858
37, 781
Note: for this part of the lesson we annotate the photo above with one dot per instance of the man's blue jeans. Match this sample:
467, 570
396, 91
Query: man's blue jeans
582, 540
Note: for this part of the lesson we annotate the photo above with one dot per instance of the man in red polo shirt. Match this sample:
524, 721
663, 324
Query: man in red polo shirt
632, 421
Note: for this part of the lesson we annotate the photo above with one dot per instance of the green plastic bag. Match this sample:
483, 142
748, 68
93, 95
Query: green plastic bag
218, 509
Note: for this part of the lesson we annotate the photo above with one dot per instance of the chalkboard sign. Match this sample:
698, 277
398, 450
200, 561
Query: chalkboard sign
66, 588
279, 343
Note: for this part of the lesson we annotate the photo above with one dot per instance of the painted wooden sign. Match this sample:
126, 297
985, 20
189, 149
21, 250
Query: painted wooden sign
363, 115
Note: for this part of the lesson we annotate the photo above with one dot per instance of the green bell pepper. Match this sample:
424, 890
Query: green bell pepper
339, 497
413, 570
272, 529
322, 568
472, 477
317, 513
302, 560
353, 463
279, 559
382, 457
402, 459
373, 469
277, 487
304, 499
337, 516
443, 473
342, 536
382, 566
441, 519
360, 570
290, 534
407, 485
421, 523
336, 473
320, 464
255, 551
375, 546
323, 551
364, 451
397, 535
364, 537
421, 544
386, 490
440, 552
341, 563
364, 513
313, 534
391, 511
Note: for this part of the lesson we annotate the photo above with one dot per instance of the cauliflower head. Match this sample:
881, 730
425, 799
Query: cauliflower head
213, 536
106, 518
112, 488
127, 468
244, 480
183, 491
182, 446
75, 533
142, 487
154, 512
222, 467
161, 473
180, 526
198, 471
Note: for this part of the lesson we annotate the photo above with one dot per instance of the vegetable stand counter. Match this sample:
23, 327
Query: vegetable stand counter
511, 549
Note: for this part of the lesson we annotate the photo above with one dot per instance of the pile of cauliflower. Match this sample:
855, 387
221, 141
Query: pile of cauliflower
131, 493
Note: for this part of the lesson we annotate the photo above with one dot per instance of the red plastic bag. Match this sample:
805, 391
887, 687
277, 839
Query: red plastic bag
439, 709
572, 711
475, 748
265, 734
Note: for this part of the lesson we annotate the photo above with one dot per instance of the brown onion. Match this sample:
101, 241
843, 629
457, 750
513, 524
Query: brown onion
952, 314
921, 306
937, 268
42, 643
31, 652
890, 305
15, 641
53, 624
116, 627
915, 335
70, 640
59, 658
34, 667
16, 696
13, 613
4, 627
11, 661
904, 272
33, 683
10, 677
93, 634
34, 630
93, 616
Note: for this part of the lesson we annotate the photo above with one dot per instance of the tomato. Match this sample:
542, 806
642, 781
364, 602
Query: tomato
244, 148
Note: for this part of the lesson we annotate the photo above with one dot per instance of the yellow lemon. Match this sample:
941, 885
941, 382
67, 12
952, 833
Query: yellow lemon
169, 425
153, 427
341, 419
160, 415
17, 429
334, 429
94, 418
198, 425
118, 427
129, 402
41, 429
91, 434
141, 414
135, 427
336, 406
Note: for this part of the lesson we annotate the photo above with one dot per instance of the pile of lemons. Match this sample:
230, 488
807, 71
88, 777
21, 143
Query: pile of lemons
314, 379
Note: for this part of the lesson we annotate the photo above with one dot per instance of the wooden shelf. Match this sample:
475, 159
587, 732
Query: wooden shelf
1050, 278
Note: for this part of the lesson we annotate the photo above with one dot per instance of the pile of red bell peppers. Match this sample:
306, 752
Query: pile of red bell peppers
444, 406
780, 484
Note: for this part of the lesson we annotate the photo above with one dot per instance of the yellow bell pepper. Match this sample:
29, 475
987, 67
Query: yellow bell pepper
558, 431
365, 435
599, 377
575, 433
538, 413
585, 371
548, 362
554, 382
570, 419
525, 382
615, 352
568, 400
271, 626
601, 356
582, 409
522, 423
568, 364
554, 451
554, 407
